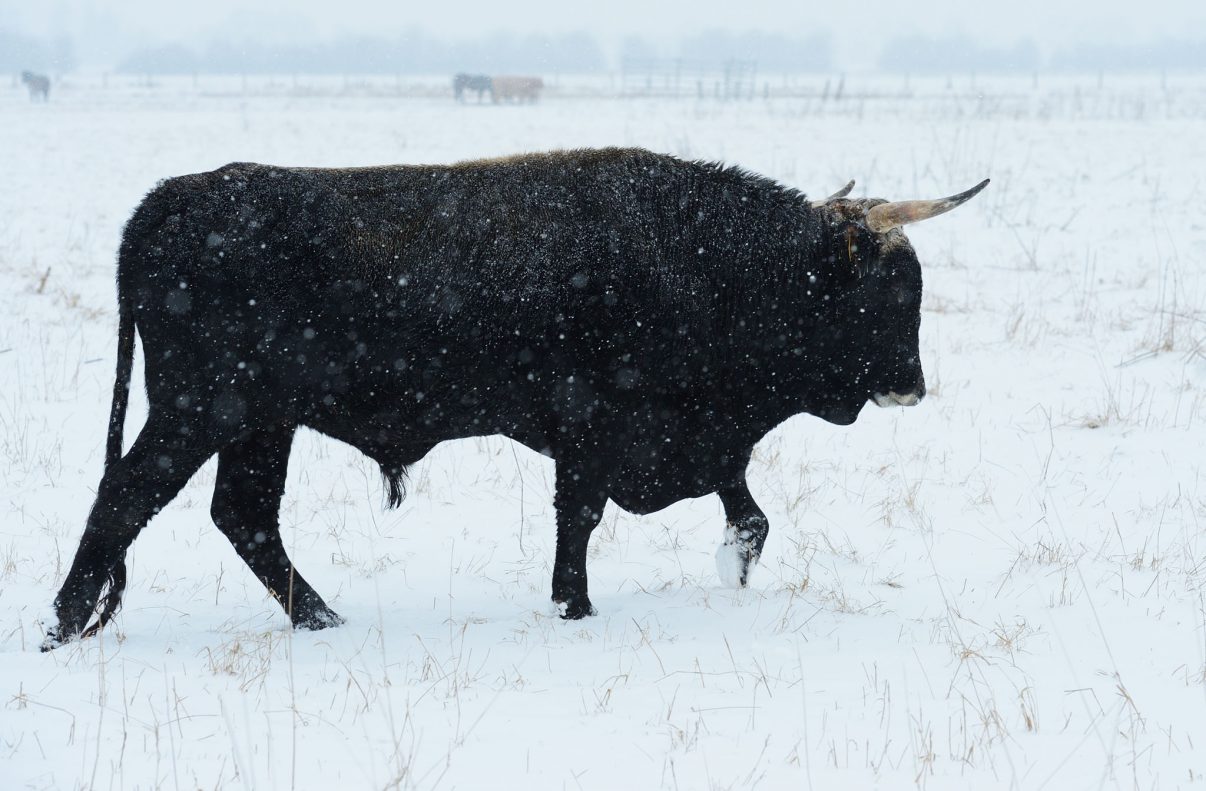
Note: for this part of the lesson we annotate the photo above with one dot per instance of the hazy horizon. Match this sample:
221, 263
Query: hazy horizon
1021, 35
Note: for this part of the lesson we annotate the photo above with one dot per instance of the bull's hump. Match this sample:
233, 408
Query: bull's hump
576, 156
240, 169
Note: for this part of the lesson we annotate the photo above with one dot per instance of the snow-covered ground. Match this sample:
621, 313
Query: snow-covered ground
1000, 588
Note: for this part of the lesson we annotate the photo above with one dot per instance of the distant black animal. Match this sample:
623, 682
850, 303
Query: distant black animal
481, 83
641, 319
38, 85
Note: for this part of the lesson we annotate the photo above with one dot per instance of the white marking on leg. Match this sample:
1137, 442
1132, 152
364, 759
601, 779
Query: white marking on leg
736, 557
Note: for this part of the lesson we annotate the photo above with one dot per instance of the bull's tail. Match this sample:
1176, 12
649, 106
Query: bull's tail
109, 604
121, 387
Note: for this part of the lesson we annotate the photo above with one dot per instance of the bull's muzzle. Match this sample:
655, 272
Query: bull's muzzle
893, 398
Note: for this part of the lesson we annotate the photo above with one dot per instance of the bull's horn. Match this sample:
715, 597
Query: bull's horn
843, 192
887, 216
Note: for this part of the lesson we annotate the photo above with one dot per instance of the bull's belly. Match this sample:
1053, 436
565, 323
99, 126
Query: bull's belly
646, 496
645, 481
649, 454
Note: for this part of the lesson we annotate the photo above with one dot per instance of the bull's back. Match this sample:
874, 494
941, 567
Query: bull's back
539, 226
531, 268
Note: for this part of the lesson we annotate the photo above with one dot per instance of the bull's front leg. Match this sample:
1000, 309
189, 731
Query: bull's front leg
745, 533
579, 504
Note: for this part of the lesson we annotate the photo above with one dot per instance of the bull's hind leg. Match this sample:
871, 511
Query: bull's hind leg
579, 504
745, 533
132, 490
246, 508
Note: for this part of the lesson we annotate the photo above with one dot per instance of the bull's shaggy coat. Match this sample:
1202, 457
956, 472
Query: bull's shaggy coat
641, 319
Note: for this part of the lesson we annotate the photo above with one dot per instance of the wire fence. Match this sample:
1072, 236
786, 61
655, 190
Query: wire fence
1036, 96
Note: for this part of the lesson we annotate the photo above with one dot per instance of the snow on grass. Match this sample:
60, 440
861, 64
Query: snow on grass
1001, 587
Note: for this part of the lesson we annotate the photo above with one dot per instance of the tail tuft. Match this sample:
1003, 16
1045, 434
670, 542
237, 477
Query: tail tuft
395, 485
111, 602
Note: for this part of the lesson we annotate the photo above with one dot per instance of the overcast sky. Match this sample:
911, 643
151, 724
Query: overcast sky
106, 29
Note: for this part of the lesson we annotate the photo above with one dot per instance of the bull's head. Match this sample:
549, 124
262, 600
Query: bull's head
883, 303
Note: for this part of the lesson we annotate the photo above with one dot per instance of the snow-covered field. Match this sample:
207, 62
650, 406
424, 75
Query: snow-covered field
1000, 588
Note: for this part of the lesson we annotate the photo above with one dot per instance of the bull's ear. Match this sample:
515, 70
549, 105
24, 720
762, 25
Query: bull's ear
843, 192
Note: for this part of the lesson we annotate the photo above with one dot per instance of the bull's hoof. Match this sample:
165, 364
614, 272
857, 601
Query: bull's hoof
57, 633
735, 558
318, 619
53, 640
57, 637
575, 609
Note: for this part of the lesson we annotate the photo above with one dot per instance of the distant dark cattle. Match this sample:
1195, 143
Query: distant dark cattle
642, 320
38, 85
479, 83
518, 89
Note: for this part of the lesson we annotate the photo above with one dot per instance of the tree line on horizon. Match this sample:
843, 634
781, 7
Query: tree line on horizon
417, 53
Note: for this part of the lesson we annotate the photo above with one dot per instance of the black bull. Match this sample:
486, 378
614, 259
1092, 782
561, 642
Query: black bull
641, 319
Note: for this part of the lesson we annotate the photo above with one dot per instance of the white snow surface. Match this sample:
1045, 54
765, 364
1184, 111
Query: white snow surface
1001, 587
